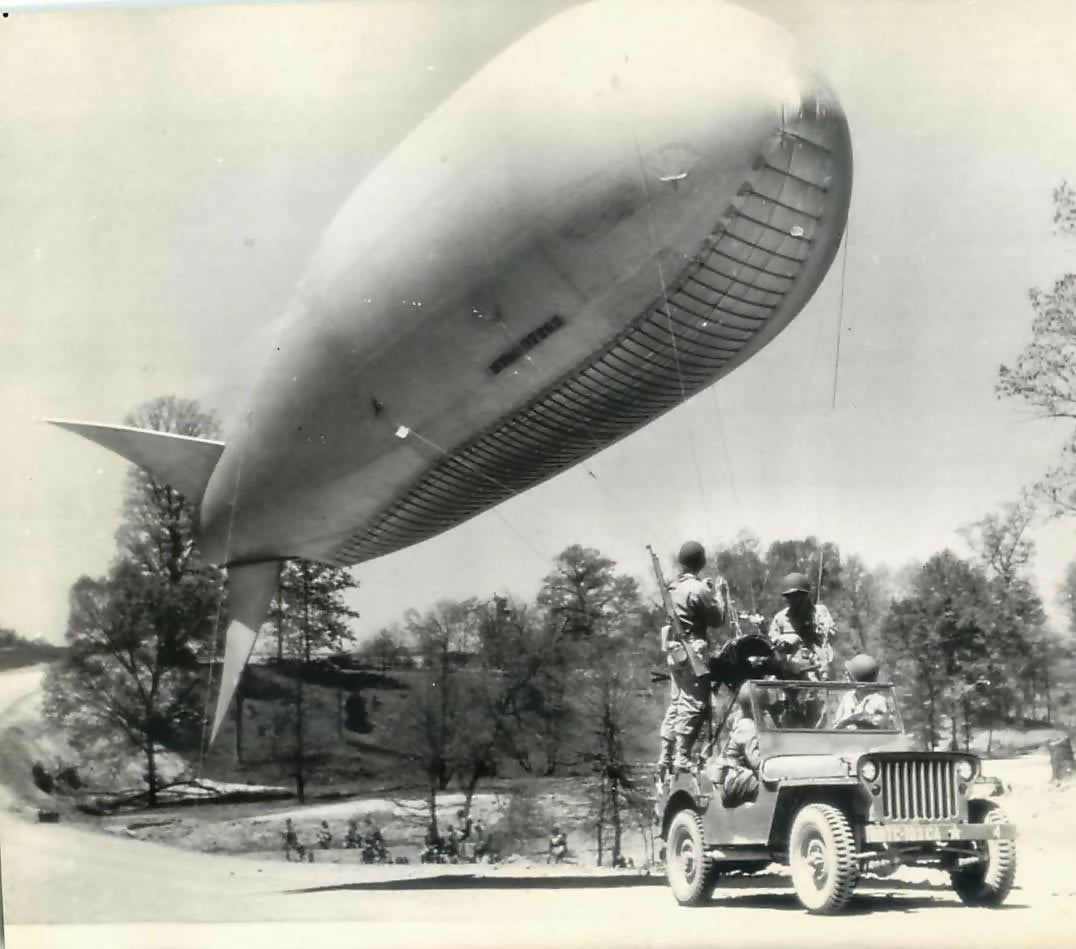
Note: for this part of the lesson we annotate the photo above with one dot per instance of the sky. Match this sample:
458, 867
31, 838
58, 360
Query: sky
168, 171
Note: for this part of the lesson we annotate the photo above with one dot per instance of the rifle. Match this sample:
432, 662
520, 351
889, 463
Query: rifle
698, 666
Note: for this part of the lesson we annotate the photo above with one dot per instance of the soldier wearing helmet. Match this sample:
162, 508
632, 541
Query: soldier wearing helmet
740, 758
803, 626
699, 608
863, 708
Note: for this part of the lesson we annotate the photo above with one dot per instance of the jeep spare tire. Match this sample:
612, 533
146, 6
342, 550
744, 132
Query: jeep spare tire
686, 863
822, 857
988, 882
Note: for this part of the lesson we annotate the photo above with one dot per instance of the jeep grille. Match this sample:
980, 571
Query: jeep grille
919, 790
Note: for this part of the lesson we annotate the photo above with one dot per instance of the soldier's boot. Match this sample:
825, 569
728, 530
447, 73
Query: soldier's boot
682, 758
666, 758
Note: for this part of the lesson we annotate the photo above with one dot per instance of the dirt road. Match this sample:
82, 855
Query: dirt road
68, 886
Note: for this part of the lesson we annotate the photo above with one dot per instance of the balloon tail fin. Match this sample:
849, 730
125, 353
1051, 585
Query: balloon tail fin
250, 591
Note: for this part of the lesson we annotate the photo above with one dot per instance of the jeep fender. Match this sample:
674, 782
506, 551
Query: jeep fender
846, 794
677, 802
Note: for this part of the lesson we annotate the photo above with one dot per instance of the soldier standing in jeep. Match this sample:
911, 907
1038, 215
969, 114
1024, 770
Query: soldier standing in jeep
698, 609
803, 626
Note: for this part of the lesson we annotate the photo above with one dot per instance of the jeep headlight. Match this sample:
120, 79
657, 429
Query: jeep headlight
868, 770
965, 769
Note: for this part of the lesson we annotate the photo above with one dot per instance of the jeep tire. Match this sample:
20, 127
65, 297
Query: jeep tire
989, 882
822, 857
687, 864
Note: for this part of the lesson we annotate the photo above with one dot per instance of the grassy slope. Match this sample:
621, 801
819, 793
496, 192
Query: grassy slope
343, 759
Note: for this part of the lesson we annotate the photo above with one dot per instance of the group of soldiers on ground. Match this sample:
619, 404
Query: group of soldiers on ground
802, 634
470, 844
369, 841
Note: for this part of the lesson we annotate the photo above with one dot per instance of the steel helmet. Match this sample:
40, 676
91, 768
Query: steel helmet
795, 583
862, 668
692, 556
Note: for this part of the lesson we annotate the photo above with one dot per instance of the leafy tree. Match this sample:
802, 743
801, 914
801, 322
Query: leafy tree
311, 620
386, 650
586, 597
742, 564
1044, 375
612, 710
157, 529
484, 700
130, 670
1067, 595
1022, 649
136, 636
506, 710
1002, 542
860, 607
937, 639
588, 606
1065, 208
435, 714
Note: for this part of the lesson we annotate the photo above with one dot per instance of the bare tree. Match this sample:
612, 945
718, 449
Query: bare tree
611, 709
312, 620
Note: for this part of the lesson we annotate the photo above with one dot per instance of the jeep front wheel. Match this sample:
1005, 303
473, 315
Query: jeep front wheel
822, 857
686, 862
987, 882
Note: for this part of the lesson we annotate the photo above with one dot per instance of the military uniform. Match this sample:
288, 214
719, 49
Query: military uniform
814, 632
291, 842
871, 707
558, 847
741, 760
325, 837
698, 610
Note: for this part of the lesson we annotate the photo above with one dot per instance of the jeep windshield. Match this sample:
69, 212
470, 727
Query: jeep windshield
825, 707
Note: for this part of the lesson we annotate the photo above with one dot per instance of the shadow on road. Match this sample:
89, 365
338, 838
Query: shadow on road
896, 896
861, 904
458, 881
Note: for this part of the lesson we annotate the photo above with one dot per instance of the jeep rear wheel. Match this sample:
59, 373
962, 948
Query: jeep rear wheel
686, 864
988, 882
822, 857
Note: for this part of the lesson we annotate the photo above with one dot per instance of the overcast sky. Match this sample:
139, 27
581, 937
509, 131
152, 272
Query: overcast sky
167, 173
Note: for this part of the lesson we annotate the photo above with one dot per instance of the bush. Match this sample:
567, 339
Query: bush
522, 824
69, 775
42, 778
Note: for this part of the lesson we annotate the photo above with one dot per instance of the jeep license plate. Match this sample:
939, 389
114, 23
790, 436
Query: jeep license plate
911, 833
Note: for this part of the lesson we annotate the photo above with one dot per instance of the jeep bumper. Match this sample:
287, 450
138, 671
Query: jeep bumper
914, 833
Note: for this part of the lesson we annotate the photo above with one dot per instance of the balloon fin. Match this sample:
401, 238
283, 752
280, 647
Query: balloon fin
250, 591
183, 462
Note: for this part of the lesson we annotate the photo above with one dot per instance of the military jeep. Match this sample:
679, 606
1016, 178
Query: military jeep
840, 794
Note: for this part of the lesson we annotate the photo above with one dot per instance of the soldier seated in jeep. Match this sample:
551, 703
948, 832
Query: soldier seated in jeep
737, 770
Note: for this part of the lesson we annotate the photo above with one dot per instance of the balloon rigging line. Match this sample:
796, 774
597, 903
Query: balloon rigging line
583, 424
836, 367
840, 313
463, 461
216, 621
668, 316
727, 456
212, 663
619, 507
